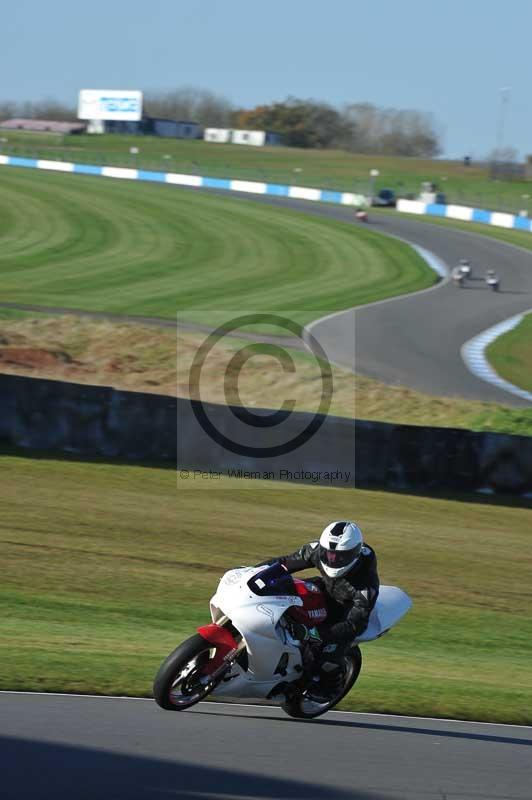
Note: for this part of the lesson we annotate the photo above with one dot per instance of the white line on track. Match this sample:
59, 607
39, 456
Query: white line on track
262, 705
474, 356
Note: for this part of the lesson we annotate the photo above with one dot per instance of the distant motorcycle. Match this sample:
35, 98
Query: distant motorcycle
361, 215
458, 277
465, 268
492, 280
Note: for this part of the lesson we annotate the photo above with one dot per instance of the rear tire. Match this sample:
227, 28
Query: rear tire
175, 688
302, 707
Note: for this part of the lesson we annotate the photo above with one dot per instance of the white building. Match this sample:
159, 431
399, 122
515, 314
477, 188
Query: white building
254, 138
220, 135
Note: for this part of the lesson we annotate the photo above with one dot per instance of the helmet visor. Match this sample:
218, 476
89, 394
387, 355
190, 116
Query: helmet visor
336, 559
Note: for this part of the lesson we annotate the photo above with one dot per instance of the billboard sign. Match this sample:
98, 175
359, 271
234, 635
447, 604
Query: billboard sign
109, 104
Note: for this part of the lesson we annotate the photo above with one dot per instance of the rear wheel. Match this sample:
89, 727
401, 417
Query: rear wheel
181, 681
320, 696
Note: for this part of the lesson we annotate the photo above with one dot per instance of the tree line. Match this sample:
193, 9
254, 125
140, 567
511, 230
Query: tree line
358, 127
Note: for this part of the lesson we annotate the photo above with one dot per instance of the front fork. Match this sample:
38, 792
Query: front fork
227, 649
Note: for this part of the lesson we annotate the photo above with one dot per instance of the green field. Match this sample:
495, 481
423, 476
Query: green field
105, 245
332, 169
511, 354
106, 568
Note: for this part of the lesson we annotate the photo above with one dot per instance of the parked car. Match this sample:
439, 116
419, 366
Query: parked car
385, 198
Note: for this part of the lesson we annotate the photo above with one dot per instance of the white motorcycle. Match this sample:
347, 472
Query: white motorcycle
492, 280
465, 268
251, 649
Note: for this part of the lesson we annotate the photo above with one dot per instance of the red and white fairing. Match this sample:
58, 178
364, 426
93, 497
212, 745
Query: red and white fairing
314, 608
258, 619
261, 620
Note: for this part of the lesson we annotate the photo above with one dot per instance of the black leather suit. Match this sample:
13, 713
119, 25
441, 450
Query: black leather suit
350, 597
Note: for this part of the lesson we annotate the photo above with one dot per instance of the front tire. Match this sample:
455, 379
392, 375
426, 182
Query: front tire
303, 706
179, 683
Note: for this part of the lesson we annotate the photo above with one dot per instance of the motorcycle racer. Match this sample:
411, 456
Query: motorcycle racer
348, 575
492, 279
251, 647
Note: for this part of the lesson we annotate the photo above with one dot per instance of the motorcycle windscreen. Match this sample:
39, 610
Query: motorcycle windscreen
272, 581
392, 604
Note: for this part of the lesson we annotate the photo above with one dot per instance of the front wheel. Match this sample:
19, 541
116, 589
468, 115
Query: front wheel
320, 696
182, 681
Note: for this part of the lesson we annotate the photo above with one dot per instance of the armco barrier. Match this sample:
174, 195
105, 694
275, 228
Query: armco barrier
466, 214
197, 181
101, 421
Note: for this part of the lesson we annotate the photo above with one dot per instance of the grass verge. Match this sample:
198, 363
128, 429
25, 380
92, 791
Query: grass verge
102, 578
142, 358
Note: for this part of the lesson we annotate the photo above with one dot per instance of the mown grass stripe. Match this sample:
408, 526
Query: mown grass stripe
137, 248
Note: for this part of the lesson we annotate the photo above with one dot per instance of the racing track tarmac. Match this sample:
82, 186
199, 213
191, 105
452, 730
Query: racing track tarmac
415, 340
55, 747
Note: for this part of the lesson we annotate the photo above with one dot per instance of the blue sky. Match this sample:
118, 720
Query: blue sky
449, 58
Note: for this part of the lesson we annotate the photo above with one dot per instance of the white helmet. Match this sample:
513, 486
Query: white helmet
340, 547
